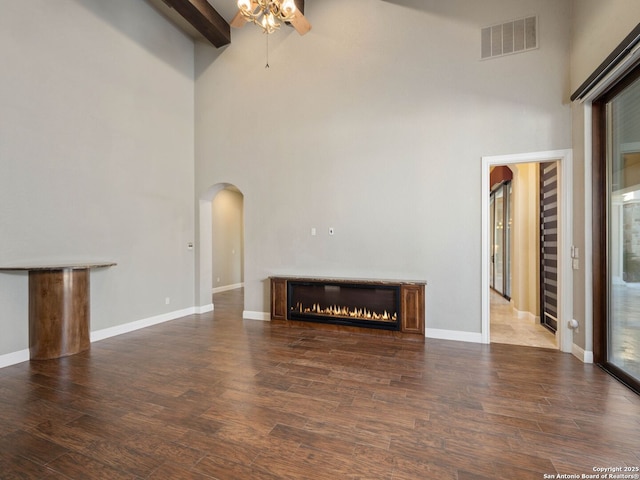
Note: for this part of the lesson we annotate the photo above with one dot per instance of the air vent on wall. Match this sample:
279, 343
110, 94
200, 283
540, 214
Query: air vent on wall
511, 37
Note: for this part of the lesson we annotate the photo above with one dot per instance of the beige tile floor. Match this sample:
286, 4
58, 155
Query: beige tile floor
506, 327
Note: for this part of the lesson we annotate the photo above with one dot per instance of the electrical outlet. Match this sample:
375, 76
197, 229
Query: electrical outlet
167, 301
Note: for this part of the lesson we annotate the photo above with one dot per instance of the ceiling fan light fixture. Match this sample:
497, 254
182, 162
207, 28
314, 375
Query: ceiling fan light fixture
244, 5
289, 7
267, 14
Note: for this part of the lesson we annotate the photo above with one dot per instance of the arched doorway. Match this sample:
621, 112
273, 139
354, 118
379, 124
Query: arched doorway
220, 252
227, 240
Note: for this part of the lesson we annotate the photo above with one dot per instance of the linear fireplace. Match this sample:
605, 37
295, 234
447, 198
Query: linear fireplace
392, 306
341, 303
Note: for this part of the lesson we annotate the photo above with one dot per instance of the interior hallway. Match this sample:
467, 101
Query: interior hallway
506, 327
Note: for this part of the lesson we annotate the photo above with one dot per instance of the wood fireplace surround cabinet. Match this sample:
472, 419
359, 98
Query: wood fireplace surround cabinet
391, 307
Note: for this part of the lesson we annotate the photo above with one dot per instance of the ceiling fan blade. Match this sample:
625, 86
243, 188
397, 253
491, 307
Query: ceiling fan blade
238, 21
300, 23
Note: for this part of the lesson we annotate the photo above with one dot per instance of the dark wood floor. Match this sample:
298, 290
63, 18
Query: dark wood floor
213, 396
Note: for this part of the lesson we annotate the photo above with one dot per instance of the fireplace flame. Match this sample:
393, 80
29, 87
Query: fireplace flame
338, 311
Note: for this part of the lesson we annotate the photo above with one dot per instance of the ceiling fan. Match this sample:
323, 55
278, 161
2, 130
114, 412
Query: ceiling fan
269, 14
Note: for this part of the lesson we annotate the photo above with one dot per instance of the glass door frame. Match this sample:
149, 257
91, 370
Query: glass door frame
505, 188
601, 220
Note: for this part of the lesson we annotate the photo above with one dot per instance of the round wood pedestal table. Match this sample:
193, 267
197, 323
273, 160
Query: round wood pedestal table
58, 309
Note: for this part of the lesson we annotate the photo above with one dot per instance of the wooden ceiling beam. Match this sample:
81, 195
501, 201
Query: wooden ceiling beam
205, 19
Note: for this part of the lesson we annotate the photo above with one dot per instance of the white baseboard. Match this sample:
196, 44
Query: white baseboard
585, 356
23, 355
203, 309
12, 358
453, 335
98, 335
263, 316
226, 288
95, 336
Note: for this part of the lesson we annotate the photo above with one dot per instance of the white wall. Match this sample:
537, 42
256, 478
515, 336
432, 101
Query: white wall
96, 155
597, 29
375, 124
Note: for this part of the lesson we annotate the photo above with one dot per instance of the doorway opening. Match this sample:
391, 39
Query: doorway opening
525, 276
220, 249
523, 257
227, 245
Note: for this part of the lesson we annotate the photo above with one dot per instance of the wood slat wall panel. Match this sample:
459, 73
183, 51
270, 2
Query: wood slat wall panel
549, 244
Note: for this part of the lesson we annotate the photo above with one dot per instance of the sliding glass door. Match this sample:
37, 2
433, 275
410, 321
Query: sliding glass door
619, 253
500, 218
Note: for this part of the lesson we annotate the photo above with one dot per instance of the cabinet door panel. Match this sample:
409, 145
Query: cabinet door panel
412, 309
278, 299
